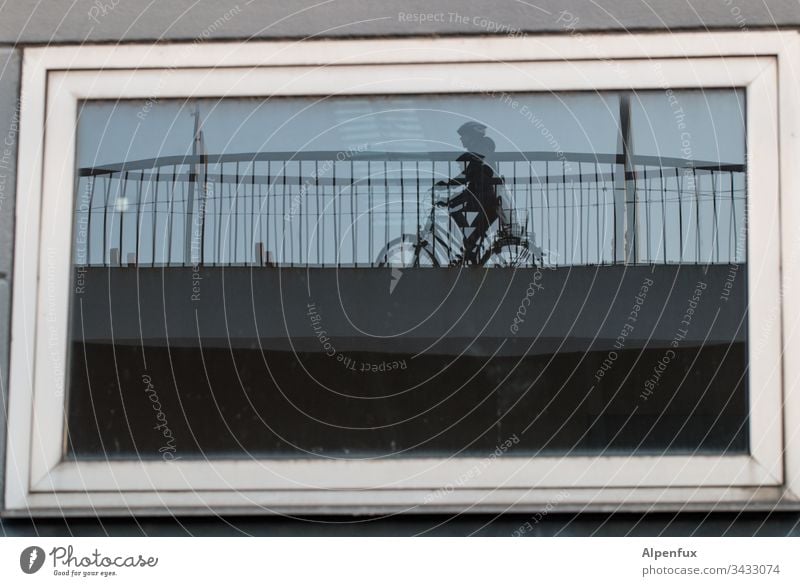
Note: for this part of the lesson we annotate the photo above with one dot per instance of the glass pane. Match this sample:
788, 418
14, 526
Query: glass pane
410, 275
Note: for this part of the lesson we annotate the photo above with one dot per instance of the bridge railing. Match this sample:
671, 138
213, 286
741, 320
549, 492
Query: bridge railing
342, 208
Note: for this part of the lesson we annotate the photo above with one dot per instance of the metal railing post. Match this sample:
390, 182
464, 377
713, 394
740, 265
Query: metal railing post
625, 212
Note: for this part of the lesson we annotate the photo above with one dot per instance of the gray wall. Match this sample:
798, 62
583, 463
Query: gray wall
9, 118
28, 22
63, 21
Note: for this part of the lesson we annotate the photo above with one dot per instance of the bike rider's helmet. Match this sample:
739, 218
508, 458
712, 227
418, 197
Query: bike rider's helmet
484, 146
472, 129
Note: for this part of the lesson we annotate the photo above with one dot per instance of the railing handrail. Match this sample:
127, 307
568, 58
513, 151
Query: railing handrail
433, 156
302, 209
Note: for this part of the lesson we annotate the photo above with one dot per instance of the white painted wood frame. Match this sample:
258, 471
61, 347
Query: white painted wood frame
54, 79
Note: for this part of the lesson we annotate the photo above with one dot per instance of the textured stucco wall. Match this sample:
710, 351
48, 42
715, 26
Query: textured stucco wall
31, 22
67, 21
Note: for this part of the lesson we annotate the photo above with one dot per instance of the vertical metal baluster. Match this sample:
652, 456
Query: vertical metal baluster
106, 203
632, 176
320, 217
88, 260
335, 218
547, 206
648, 225
224, 218
139, 215
433, 204
731, 228
250, 240
245, 243
272, 197
303, 194
571, 215
233, 190
353, 204
529, 200
285, 221
219, 208
185, 195
168, 259
735, 231
255, 217
243, 213
263, 221
612, 251
679, 186
714, 211
386, 207
539, 204
419, 227
87, 257
572, 212
237, 185
613, 203
155, 214
263, 216
583, 256
370, 211
290, 215
247, 240
451, 227
122, 219
79, 196
697, 215
236, 200
597, 209
234, 231
510, 192
664, 220
203, 212
229, 220
558, 207
402, 213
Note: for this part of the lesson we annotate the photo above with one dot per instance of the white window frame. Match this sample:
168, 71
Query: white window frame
38, 480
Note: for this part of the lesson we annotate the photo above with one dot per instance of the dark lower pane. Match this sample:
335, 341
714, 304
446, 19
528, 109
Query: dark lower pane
214, 362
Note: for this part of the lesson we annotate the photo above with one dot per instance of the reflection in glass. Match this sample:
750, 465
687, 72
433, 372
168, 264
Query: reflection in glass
406, 275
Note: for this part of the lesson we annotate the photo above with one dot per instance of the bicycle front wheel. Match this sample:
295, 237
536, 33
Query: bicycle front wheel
406, 251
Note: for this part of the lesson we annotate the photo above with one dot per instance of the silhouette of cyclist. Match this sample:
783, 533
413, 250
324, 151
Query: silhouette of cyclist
480, 192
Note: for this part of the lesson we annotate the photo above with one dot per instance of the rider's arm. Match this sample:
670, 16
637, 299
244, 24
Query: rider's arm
458, 200
452, 202
460, 180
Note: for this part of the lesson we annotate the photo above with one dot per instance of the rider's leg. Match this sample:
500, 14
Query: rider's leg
472, 243
459, 219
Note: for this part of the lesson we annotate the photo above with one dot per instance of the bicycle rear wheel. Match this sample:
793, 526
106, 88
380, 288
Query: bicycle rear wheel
509, 253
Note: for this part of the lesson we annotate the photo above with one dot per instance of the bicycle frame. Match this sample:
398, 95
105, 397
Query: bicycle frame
437, 237
443, 243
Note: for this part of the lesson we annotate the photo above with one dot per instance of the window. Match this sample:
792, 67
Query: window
400, 274
284, 256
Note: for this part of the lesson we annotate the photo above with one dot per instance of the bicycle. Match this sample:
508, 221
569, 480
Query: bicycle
437, 245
